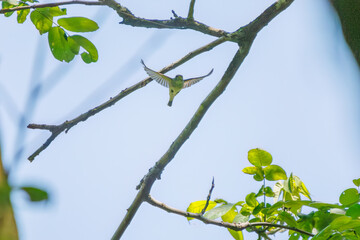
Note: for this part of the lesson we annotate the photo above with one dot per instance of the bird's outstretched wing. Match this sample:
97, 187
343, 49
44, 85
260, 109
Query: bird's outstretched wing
159, 77
191, 81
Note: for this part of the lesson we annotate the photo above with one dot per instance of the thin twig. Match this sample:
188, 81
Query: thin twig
55, 4
191, 11
208, 197
233, 226
65, 126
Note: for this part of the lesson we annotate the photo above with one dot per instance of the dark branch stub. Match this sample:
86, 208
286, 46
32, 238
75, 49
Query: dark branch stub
208, 197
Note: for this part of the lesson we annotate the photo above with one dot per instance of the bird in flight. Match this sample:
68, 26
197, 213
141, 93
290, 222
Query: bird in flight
174, 84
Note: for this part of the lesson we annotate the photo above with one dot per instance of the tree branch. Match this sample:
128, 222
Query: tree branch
208, 197
176, 23
245, 40
191, 11
55, 4
233, 226
155, 172
65, 126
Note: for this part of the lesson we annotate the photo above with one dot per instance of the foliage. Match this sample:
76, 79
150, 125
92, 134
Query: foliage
325, 221
348, 12
63, 46
8, 229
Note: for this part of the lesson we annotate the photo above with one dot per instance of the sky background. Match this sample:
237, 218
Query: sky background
296, 96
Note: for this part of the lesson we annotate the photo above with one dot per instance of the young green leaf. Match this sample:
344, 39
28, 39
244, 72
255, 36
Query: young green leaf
78, 24
198, 206
354, 211
36, 194
6, 5
59, 45
218, 211
56, 11
357, 182
274, 172
42, 19
250, 200
288, 218
92, 54
21, 15
259, 157
349, 196
238, 235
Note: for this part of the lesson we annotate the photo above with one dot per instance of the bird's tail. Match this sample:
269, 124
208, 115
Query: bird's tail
170, 103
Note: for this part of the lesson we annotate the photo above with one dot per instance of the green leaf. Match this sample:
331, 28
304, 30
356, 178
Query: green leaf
250, 200
349, 196
354, 211
56, 11
218, 211
59, 45
274, 173
238, 235
21, 15
269, 192
357, 182
259, 157
78, 24
287, 218
256, 171
198, 206
239, 218
36, 194
42, 19
92, 54
6, 5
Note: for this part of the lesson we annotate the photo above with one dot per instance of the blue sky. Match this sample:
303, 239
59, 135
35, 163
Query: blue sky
296, 95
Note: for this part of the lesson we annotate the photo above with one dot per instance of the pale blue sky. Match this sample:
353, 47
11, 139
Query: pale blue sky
296, 95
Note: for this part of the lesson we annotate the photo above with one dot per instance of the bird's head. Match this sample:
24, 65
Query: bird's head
179, 77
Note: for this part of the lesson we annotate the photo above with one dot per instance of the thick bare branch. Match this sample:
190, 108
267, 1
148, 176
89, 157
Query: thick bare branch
65, 126
233, 226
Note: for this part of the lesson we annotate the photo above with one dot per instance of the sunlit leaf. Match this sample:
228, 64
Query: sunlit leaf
349, 196
78, 24
59, 45
42, 19
217, 212
288, 218
21, 15
238, 235
354, 211
259, 157
239, 218
91, 54
274, 172
198, 206
250, 200
357, 182
6, 5
56, 11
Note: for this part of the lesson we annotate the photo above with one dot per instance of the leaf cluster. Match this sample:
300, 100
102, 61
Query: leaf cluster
326, 221
63, 46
